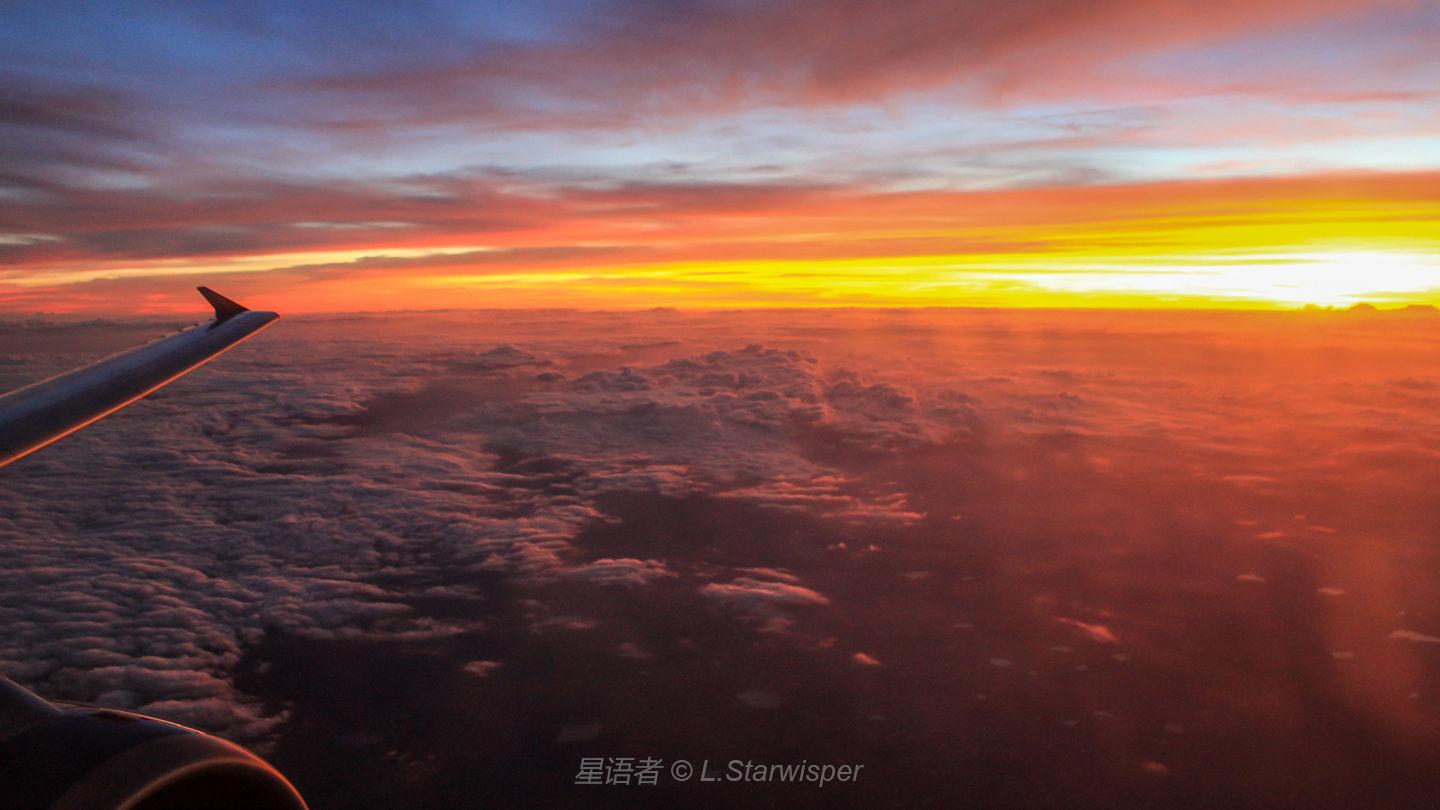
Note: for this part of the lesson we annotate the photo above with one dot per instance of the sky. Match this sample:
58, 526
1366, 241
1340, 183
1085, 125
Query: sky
610, 154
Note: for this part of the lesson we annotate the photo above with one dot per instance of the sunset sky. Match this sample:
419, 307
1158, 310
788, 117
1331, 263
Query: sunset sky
719, 153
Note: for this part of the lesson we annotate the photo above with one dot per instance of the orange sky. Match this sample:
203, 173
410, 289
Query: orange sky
1121, 154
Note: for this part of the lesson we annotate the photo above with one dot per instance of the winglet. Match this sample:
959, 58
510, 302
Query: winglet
225, 309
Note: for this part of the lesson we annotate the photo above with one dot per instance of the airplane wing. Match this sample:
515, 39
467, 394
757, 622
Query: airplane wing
54, 757
38, 414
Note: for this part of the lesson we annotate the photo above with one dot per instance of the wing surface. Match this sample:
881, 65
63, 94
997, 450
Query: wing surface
38, 414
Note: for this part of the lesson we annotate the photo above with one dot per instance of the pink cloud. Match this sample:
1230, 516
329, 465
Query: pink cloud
715, 55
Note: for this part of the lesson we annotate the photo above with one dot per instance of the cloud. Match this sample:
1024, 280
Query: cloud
336, 479
1096, 632
307, 489
759, 596
560, 249
620, 572
481, 669
771, 574
606, 137
862, 660
1411, 635
825, 495
716, 54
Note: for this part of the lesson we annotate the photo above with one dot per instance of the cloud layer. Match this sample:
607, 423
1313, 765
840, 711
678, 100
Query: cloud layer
339, 479
319, 485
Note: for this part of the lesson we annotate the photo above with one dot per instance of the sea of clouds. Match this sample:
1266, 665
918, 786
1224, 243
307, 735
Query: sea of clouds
321, 479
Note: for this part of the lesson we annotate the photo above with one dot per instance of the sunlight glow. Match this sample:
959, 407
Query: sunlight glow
1339, 278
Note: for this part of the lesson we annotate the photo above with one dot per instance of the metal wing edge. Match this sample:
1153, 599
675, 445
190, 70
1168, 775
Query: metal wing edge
38, 414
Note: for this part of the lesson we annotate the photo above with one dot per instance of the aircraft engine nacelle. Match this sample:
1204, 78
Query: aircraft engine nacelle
99, 759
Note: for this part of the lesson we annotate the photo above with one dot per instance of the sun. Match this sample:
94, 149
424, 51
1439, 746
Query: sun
1331, 278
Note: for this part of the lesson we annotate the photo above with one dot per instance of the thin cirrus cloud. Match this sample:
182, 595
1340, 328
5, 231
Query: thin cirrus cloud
816, 52
892, 247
